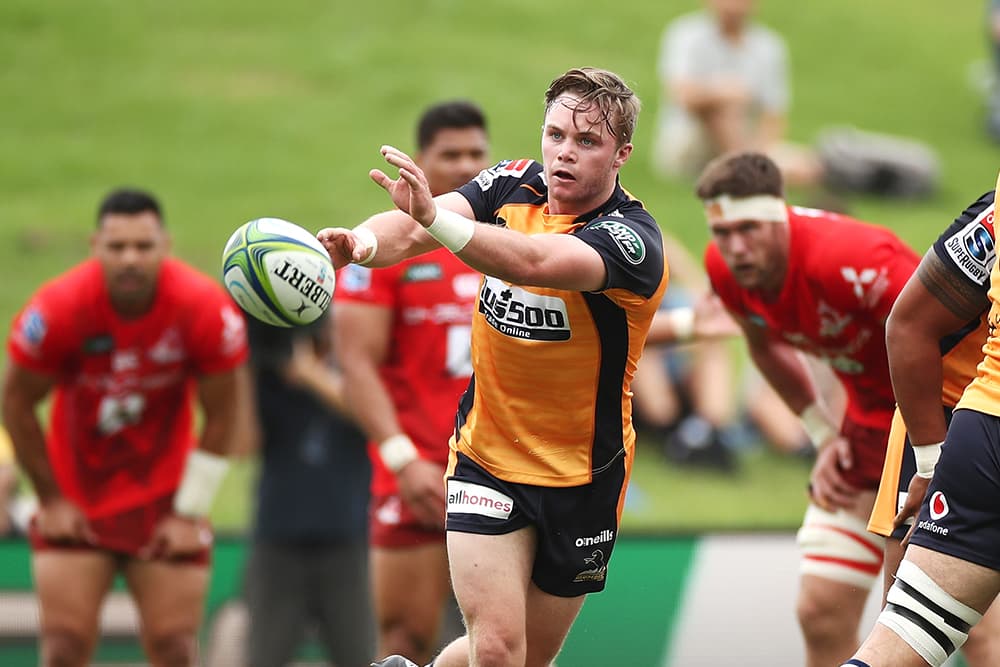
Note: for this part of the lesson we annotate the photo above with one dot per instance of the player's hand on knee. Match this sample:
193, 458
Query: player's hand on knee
828, 487
59, 520
421, 485
178, 536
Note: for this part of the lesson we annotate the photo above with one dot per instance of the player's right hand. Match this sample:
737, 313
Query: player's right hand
59, 520
421, 485
712, 320
914, 499
827, 486
342, 245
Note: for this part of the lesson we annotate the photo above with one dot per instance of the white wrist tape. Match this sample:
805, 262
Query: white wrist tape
367, 237
397, 451
762, 208
817, 425
927, 457
203, 473
681, 323
451, 230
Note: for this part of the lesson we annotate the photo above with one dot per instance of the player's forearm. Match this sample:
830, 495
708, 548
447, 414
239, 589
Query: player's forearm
917, 377
29, 445
370, 401
787, 374
398, 237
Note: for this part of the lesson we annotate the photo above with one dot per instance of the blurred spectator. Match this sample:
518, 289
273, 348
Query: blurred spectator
403, 335
308, 563
685, 395
724, 84
993, 109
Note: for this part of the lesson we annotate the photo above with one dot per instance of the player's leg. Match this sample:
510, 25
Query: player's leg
70, 585
549, 620
276, 586
170, 597
410, 581
840, 562
491, 575
341, 596
982, 649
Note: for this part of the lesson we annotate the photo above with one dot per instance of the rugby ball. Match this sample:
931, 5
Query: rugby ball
278, 272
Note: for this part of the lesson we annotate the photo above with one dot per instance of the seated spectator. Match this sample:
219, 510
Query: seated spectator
724, 82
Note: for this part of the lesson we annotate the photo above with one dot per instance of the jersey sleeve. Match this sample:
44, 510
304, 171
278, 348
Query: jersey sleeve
217, 335
41, 335
968, 246
362, 284
487, 191
632, 249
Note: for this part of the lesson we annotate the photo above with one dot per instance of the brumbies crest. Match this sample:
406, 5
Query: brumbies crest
627, 240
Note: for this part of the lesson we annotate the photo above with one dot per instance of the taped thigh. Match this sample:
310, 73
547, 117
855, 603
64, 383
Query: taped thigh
837, 546
925, 616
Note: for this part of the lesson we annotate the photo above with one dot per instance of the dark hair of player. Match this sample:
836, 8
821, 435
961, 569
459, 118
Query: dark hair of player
457, 114
743, 174
128, 201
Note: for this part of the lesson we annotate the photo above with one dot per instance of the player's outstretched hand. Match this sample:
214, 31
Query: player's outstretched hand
343, 246
59, 520
827, 486
914, 499
422, 489
176, 537
410, 192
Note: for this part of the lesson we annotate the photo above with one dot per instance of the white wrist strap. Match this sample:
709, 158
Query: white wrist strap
681, 323
817, 425
451, 230
927, 457
368, 238
397, 451
203, 473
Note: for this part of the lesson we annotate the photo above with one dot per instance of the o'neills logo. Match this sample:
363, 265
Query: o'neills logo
465, 498
604, 536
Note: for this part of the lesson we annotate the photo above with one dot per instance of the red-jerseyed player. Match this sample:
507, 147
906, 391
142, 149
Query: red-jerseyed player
125, 339
403, 338
807, 280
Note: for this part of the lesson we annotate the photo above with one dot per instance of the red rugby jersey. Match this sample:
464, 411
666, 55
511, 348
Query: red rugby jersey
431, 297
121, 417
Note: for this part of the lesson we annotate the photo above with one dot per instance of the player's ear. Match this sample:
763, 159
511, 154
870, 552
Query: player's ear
623, 154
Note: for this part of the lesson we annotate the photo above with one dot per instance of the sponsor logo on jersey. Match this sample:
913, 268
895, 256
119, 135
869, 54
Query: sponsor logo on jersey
938, 506
932, 527
169, 348
517, 313
597, 569
466, 498
33, 327
514, 168
605, 535
124, 360
626, 238
874, 281
355, 278
973, 247
98, 344
424, 272
466, 285
831, 322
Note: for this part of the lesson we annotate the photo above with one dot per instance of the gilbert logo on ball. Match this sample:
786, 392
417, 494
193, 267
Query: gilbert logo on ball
278, 272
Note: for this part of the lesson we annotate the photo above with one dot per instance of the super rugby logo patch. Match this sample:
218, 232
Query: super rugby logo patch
973, 247
515, 168
626, 238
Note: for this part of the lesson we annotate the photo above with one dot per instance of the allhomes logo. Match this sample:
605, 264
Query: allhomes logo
465, 498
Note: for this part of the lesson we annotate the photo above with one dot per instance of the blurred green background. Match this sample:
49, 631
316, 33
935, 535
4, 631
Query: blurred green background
235, 110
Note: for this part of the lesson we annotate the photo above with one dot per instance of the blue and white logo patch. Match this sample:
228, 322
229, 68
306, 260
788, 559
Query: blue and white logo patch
355, 278
33, 327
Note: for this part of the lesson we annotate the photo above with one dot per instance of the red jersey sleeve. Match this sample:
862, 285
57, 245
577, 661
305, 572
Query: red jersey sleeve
41, 334
361, 284
217, 333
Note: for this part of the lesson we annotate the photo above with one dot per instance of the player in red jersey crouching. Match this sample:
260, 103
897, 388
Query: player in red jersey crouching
124, 341
812, 281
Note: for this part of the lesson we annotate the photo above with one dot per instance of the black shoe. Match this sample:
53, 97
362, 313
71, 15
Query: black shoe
395, 661
696, 442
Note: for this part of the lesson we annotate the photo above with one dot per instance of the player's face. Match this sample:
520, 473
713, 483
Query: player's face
130, 248
581, 158
454, 157
753, 250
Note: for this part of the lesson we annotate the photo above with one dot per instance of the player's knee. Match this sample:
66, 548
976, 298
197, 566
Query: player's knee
490, 647
172, 649
821, 620
932, 622
838, 546
63, 647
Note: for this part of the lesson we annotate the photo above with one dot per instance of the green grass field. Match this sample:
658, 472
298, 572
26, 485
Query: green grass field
232, 110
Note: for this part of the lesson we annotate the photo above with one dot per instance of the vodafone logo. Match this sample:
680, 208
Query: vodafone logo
938, 505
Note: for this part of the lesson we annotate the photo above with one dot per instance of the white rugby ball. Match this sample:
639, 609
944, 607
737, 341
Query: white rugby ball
278, 272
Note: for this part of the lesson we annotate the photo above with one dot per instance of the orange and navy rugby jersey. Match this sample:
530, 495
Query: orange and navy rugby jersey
967, 248
549, 402
983, 393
